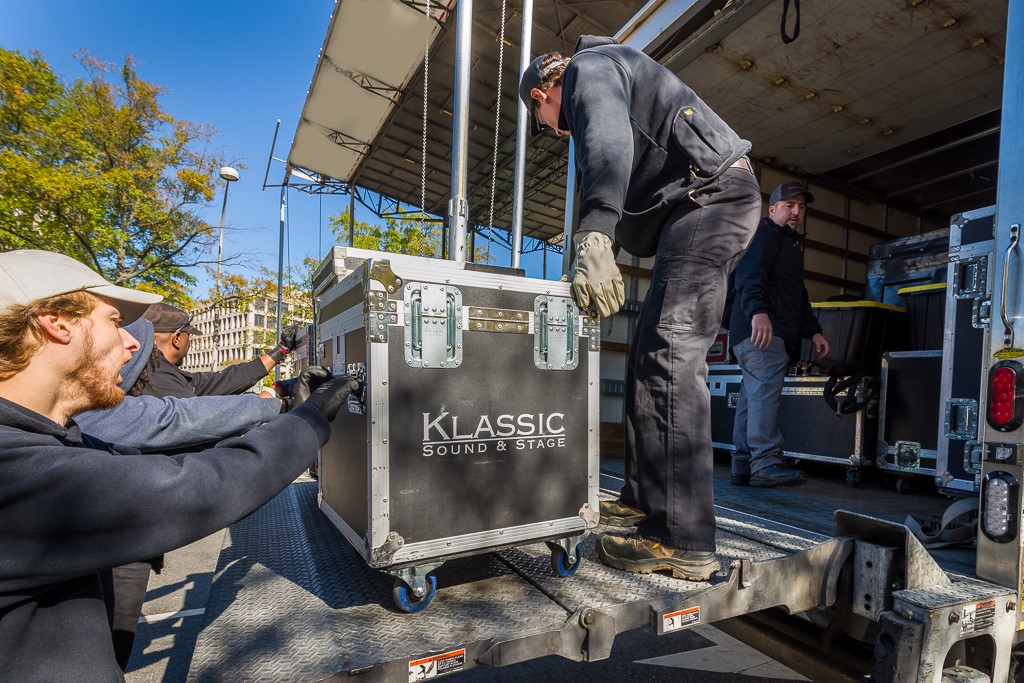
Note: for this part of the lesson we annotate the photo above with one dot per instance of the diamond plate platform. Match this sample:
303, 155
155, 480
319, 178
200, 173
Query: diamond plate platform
291, 600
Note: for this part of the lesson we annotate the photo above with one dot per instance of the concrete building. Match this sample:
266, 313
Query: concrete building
244, 335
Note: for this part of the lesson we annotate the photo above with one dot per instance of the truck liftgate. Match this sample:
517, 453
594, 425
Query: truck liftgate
291, 600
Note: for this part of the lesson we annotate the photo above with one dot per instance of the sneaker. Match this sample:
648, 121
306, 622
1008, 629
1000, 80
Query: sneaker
639, 555
617, 513
777, 475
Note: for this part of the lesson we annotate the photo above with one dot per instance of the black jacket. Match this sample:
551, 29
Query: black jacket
643, 141
169, 380
770, 279
71, 507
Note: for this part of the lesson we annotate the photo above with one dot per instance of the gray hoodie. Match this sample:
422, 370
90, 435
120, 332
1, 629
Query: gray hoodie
153, 424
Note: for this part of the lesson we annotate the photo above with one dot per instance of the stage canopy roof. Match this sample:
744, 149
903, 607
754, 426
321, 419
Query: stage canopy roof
895, 101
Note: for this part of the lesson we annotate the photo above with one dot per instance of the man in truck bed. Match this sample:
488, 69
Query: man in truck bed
770, 314
661, 174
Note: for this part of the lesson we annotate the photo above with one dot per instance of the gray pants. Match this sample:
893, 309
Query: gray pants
756, 430
668, 407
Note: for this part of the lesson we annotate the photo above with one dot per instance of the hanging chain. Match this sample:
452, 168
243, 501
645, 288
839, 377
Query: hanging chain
423, 151
497, 114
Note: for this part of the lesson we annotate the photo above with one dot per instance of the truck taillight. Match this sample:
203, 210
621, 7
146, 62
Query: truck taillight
1000, 501
1006, 396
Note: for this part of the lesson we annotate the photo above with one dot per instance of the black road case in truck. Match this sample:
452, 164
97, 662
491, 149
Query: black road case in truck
811, 429
478, 426
965, 339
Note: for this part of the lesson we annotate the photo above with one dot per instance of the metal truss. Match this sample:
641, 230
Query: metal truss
367, 82
438, 10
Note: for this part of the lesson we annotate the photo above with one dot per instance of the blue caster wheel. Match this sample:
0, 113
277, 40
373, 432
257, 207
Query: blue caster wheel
852, 478
407, 601
560, 561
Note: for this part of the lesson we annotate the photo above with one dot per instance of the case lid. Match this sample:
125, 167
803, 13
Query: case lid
922, 289
857, 304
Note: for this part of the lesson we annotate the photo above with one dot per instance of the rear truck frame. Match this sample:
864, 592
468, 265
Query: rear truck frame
291, 599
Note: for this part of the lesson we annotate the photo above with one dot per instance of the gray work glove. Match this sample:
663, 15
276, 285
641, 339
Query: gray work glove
596, 280
292, 337
308, 381
331, 395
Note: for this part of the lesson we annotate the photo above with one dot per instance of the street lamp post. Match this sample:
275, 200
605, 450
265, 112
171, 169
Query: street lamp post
229, 175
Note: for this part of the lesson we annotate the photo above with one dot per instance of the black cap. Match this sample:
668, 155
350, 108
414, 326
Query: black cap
788, 191
170, 319
533, 76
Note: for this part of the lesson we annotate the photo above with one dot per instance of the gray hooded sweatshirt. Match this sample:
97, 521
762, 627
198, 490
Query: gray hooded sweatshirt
153, 424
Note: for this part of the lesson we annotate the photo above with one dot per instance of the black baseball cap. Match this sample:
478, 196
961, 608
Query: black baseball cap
789, 190
170, 319
533, 76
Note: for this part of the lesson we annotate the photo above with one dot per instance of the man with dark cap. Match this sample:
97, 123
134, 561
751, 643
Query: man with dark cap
173, 332
661, 174
770, 314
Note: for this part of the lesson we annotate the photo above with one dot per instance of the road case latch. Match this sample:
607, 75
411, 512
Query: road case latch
433, 326
556, 336
981, 313
974, 453
908, 455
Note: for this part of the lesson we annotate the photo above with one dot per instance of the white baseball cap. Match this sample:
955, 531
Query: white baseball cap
27, 275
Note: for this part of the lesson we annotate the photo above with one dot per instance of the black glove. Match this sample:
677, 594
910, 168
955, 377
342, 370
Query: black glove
309, 380
331, 395
292, 337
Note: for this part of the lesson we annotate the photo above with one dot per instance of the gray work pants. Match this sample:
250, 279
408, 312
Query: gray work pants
668, 407
756, 429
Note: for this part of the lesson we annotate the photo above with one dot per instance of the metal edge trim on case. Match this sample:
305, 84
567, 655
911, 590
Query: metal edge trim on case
357, 542
593, 425
466, 278
480, 541
379, 455
352, 319
852, 461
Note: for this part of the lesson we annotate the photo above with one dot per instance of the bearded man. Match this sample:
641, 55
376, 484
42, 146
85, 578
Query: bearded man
72, 506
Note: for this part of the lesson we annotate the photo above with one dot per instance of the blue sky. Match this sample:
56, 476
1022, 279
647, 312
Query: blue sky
235, 66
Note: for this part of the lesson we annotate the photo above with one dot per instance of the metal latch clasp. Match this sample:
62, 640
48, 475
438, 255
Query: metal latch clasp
908, 455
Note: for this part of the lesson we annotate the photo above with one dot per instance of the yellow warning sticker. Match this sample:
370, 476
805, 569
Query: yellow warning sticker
674, 621
438, 665
1005, 354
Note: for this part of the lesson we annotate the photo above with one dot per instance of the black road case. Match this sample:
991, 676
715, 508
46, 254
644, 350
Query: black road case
909, 412
478, 427
968, 304
810, 428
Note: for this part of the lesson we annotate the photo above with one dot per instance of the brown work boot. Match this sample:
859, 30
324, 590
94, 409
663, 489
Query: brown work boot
617, 513
640, 555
